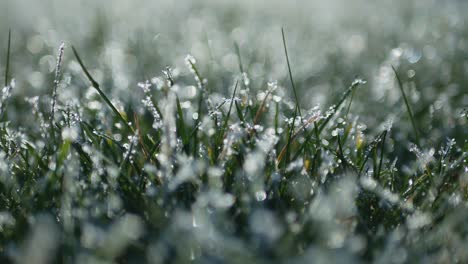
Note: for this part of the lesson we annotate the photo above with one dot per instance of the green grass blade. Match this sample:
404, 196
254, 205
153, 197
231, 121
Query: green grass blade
290, 74
381, 155
7, 67
239, 113
54, 91
3, 115
349, 104
297, 109
226, 119
355, 84
408, 107
239, 58
341, 154
368, 152
96, 86
181, 125
318, 130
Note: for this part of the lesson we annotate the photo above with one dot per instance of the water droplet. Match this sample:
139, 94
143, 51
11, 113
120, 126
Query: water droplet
260, 195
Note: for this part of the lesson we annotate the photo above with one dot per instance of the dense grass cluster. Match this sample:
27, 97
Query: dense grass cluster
116, 149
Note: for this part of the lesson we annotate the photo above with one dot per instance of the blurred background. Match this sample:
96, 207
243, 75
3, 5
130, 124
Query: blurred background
330, 44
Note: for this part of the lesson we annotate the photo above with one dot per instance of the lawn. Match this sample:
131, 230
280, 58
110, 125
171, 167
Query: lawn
234, 132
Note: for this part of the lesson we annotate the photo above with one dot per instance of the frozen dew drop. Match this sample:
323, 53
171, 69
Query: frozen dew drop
276, 98
325, 142
245, 79
260, 195
70, 133
368, 183
418, 220
358, 82
223, 200
337, 131
190, 60
145, 86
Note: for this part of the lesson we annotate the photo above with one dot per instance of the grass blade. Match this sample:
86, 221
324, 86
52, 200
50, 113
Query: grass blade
226, 119
297, 109
7, 81
239, 113
408, 108
181, 126
372, 145
239, 58
290, 74
381, 154
7, 67
54, 91
317, 131
355, 84
349, 104
95, 84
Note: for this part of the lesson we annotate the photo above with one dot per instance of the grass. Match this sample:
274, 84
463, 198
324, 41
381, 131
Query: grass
206, 162
7, 65
408, 108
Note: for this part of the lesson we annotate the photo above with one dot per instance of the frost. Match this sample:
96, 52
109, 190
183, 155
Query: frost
57, 80
297, 164
337, 131
42, 242
418, 220
145, 86
190, 60
70, 133
358, 81
272, 85
245, 79
253, 163
325, 142
212, 187
188, 172
260, 195
124, 231
130, 147
424, 158
168, 75
368, 183
6, 220
264, 224
216, 199
388, 125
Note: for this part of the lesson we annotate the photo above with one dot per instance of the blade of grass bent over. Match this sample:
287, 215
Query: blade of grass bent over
96, 86
356, 83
